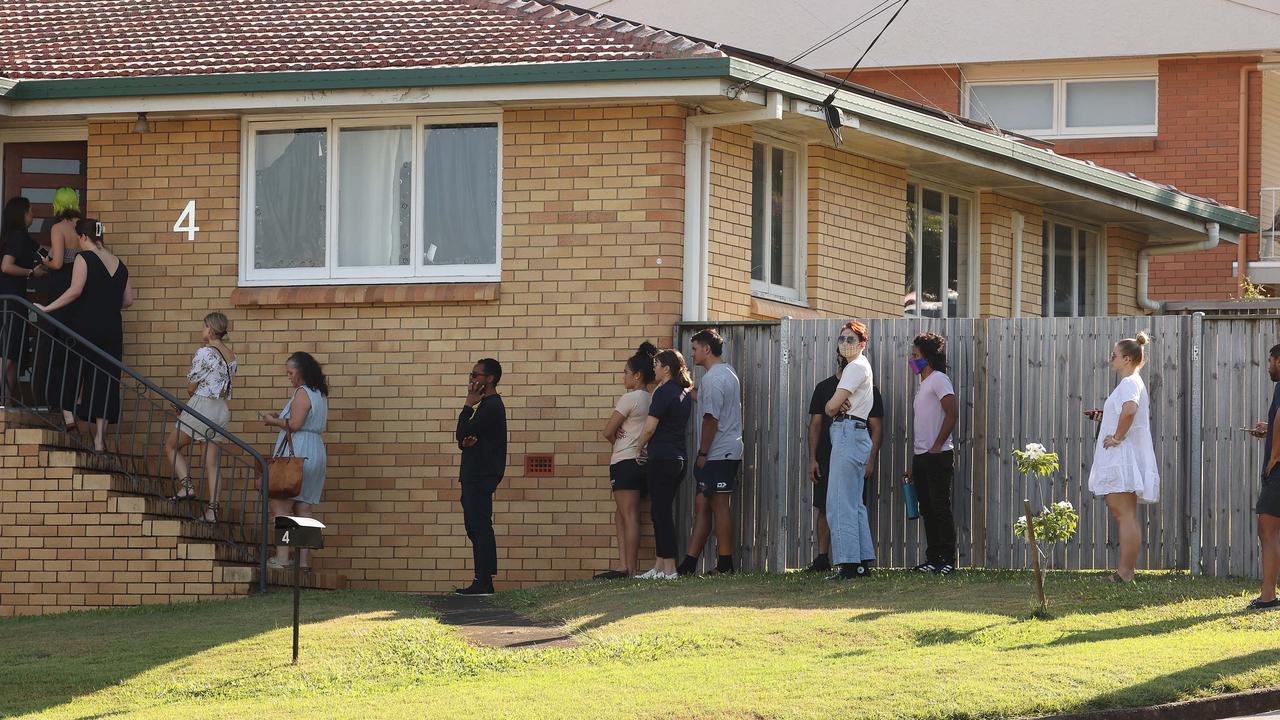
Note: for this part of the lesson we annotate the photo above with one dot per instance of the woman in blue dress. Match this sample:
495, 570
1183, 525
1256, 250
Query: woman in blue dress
305, 418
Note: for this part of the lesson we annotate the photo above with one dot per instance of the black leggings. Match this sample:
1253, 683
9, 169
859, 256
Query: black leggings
664, 480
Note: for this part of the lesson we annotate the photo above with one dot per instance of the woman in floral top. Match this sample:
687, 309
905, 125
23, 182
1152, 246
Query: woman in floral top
213, 369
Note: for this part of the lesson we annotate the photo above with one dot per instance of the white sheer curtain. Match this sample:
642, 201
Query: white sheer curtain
289, 198
374, 190
461, 195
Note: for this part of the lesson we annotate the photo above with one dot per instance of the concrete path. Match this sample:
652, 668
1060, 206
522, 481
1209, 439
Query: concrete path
484, 623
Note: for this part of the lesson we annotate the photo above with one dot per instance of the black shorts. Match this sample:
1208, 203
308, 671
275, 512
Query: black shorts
717, 477
1269, 495
628, 475
820, 487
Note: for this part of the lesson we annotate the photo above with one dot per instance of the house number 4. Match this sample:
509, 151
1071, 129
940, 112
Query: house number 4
188, 217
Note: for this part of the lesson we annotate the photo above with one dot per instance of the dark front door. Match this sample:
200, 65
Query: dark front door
36, 170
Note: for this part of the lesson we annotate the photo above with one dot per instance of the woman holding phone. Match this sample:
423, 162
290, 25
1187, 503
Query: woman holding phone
1124, 469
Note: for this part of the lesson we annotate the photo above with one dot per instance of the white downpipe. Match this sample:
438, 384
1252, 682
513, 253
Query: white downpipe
1144, 264
697, 197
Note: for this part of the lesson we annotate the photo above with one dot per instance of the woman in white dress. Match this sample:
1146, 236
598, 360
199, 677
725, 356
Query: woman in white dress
1124, 462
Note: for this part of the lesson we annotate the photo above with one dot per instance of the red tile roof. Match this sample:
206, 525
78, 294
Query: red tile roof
53, 39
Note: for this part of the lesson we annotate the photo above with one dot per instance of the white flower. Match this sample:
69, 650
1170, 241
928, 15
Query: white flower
1034, 451
1065, 505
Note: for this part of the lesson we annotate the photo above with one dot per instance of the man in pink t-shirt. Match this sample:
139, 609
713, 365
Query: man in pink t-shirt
933, 466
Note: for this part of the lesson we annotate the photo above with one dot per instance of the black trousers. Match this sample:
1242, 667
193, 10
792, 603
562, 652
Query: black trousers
933, 476
477, 517
664, 480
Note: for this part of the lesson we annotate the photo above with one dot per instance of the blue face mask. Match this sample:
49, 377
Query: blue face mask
918, 365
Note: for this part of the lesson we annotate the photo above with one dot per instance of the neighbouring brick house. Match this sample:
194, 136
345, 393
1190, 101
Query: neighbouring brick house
448, 179
1183, 92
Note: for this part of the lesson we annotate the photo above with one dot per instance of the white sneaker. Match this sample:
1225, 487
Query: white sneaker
665, 576
651, 575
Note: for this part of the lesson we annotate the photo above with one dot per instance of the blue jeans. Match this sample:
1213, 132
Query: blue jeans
846, 514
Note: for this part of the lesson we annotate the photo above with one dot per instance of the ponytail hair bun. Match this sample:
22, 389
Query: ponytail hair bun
1142, 338
647, 349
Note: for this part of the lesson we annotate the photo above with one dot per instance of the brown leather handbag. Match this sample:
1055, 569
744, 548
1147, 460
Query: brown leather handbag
284, 472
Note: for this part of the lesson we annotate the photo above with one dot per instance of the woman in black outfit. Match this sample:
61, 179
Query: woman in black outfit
59, 375
666, 437
100, 289
18, 264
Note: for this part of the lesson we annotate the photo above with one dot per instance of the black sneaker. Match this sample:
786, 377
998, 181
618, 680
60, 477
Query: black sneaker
863, 570
476, 589
925, 568
1260, 604
944, 569
819, 565
611, 575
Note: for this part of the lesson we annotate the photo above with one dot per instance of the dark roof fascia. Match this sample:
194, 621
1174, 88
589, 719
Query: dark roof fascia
320, 80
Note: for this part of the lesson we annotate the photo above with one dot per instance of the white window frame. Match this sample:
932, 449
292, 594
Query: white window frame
1101, 304
800, 194
1060, 129
970, 292
417, 271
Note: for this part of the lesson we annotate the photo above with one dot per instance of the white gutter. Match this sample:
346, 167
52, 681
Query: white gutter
1144, 264
697, 184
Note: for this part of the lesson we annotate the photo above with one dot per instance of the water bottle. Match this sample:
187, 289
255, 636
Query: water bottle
909, 497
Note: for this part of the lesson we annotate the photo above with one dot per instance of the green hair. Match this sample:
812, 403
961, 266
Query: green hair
65, 202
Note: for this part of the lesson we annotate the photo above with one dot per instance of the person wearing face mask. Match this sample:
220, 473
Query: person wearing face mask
933, 466
819, 472
1124, 471
851, 545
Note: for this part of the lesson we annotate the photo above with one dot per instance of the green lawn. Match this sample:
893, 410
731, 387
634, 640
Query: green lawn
894, 646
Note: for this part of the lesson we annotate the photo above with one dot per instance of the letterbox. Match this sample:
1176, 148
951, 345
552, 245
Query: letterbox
299, 532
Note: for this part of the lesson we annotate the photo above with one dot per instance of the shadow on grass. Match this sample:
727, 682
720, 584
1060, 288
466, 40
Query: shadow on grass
53, 659
1125, 632
1177, 685
592, 604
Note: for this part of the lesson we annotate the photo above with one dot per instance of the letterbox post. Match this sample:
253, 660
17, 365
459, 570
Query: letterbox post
297, 599
298, 533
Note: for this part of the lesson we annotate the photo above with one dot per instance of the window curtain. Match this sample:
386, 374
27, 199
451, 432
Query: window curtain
289, 199
374, 190
461, 188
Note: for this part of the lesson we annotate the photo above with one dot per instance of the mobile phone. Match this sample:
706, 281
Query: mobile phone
43, 253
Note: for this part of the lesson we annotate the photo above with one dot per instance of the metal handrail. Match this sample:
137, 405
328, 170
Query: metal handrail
105, 358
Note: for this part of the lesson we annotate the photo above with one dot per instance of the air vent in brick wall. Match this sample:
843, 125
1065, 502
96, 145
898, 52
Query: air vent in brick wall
539, 465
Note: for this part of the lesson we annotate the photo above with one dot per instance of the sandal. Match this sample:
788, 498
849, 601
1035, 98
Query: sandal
1115, 578
274, 564
210, 513
187, 490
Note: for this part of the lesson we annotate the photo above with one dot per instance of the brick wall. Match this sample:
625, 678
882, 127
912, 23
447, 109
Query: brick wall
857, 230
935, 87
1197, 151
729, 237
592, 199
1122, 271
996, 255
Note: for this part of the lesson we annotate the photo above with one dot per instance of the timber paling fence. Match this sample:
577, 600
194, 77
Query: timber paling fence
1017, 381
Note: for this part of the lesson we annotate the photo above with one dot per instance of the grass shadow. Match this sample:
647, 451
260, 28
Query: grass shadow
107, 647
591, 604
1125, 632
1178, 685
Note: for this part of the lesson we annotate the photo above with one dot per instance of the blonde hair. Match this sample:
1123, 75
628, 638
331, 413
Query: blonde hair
1135, 348
218, 323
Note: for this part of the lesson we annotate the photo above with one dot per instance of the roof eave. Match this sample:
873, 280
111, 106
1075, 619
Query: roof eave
322, 80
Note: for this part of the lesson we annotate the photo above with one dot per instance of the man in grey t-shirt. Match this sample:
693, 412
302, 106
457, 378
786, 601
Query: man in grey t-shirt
719, 452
